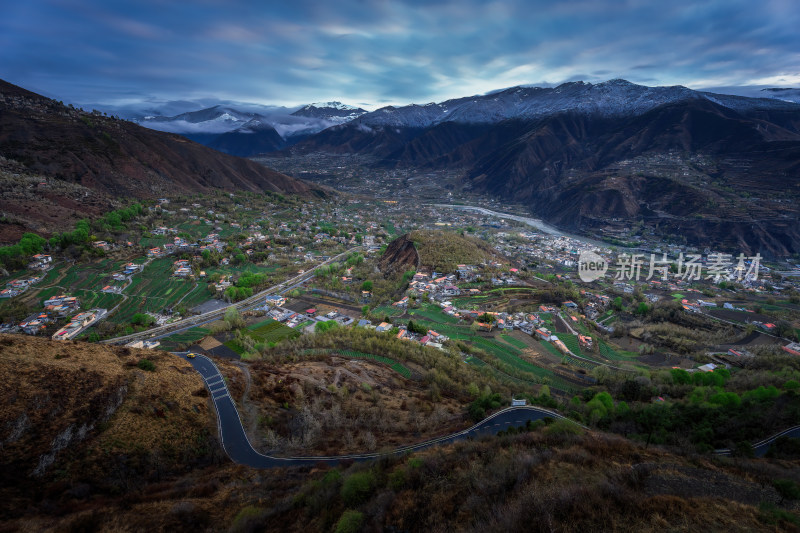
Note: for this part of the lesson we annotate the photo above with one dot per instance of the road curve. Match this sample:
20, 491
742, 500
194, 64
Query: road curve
237, 445
760, 448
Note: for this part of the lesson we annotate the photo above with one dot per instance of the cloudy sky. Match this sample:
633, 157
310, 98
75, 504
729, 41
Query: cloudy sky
381, 52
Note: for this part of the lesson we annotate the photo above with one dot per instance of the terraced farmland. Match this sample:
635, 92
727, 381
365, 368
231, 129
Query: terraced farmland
434, 313
185, 337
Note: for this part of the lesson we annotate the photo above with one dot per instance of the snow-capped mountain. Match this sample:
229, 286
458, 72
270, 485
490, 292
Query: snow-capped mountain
611, 98
334, 112
227, 127
287, 122
217, 119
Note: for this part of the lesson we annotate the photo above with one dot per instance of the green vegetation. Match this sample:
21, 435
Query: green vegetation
146, 364
442, 251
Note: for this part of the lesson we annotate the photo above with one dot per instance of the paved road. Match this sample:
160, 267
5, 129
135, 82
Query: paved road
760, 448
238, 447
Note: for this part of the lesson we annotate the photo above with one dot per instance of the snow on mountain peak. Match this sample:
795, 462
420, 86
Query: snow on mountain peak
332, 105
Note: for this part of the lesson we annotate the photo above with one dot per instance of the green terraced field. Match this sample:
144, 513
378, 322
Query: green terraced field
610, 353
510, 356
434, 313
513, 342
271, 331
189, 336
387, 310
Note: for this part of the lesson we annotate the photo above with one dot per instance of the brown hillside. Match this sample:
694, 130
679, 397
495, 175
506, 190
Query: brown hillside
400, 254
73, 408
117, 158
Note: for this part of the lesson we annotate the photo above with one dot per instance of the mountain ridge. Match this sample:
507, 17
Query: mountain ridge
115, 158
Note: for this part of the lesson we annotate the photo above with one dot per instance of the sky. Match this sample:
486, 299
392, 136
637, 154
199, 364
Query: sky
375, 53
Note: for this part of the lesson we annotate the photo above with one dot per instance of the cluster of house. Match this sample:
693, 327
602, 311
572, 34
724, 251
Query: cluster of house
182, 268
36, 323
293, 319
430, 338
439, 287
54, 308
18, 286
40, 262
62, 305
78, 323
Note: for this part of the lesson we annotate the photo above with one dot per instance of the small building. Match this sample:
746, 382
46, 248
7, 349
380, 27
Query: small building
522, 402
793, 348
275, 300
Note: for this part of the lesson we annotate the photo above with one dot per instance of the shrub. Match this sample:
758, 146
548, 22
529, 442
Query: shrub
357, 487
350, 522
146, 364
564, 427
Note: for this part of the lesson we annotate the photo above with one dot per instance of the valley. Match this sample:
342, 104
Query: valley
350, 303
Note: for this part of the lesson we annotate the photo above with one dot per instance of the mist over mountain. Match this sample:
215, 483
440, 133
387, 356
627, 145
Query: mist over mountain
246, 129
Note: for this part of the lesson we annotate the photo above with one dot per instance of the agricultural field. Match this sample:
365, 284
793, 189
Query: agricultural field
184, 337
433, 313
271, 331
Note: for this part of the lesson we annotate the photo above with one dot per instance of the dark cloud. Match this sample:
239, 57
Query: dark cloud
387, 51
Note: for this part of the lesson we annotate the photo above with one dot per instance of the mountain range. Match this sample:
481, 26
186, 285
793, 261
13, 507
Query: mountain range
707, 168
59, 163
250, 130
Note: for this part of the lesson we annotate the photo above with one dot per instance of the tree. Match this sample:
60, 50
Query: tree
366, 286
322, 327
652, 419
142, 319
487, 318
233, 318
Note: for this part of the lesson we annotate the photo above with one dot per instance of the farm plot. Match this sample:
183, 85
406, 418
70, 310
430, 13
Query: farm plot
516, 343
434, 313
511, 357
614, 355
271, 331
184, 337
391, 363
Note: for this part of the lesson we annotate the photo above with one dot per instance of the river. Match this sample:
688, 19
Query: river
533, 222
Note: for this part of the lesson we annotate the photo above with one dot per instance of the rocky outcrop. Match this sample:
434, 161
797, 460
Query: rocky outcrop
399, 255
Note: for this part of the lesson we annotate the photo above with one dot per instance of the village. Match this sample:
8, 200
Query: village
198, 255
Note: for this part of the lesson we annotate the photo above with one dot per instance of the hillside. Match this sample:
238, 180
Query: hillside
80, 411
434, 250
135, 450
114, 158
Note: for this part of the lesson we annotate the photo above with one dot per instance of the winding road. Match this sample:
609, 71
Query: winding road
237, 445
